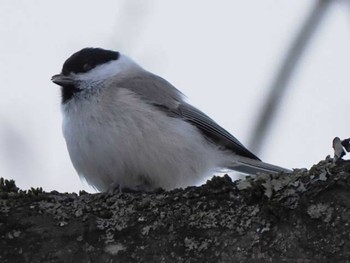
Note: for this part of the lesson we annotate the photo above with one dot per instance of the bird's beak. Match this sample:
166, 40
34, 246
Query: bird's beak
62, 80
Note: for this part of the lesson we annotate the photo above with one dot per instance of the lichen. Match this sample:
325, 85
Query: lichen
256, 218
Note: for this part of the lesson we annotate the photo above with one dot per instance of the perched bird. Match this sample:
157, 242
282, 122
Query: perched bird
338, 147
126, 127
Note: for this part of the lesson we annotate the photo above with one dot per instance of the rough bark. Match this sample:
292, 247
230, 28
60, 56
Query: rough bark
301, 217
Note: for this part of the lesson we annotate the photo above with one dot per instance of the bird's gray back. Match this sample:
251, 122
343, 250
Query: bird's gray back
160, 93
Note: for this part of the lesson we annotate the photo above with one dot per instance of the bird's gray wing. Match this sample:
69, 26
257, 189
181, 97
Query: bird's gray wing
160, 93
151, 88
212, 130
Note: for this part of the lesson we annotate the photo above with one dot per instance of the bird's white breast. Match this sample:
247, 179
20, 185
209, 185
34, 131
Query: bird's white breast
114, 138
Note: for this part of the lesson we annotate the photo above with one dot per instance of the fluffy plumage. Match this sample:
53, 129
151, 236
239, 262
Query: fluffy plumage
127, 127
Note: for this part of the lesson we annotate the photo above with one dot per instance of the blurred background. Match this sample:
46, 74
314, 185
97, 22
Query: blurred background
226, 56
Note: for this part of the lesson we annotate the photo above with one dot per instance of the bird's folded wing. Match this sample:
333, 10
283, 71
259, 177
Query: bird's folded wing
212, 130
166, 97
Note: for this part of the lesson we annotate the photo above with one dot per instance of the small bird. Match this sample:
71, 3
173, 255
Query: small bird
126, 127
338, 147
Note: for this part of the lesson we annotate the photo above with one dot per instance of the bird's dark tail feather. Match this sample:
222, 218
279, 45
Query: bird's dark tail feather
251, 166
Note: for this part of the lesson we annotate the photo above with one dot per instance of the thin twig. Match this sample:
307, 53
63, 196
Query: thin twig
280, 84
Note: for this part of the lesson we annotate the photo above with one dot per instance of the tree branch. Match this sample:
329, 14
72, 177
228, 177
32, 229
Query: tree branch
301, 217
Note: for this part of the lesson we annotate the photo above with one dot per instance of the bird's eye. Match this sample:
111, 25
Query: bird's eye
87, 67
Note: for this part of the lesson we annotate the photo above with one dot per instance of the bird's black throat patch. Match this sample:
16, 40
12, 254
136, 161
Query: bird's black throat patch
68, 92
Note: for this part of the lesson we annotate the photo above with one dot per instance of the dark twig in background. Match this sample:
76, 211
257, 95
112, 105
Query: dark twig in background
280, 84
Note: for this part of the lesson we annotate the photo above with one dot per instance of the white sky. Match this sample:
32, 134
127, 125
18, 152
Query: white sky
223, 55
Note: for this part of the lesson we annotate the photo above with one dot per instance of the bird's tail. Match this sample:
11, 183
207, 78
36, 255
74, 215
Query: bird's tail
251, 166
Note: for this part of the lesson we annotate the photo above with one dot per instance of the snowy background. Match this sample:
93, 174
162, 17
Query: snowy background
222, 54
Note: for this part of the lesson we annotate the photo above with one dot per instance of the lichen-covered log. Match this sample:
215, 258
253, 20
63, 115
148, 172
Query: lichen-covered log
301, 217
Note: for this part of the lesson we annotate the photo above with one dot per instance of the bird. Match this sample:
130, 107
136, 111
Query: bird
338, 147
127, 128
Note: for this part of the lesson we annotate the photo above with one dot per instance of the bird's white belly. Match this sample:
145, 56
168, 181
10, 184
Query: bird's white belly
130, 144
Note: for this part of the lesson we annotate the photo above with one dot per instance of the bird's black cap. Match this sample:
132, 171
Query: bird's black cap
87, 59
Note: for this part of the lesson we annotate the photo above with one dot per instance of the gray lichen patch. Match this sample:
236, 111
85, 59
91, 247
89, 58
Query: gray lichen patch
114, 249
320, 210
